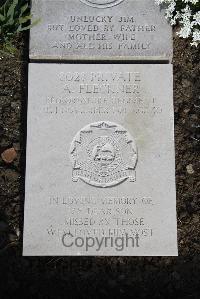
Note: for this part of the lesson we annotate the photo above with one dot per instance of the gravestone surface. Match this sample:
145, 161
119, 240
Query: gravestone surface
100, 176
100, 30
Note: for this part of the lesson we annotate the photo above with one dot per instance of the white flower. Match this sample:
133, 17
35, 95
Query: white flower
187, 17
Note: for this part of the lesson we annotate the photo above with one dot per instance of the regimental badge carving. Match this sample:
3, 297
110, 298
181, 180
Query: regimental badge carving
102, 3
103, 154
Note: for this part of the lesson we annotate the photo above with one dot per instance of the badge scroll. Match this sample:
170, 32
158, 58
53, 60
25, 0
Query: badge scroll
102, 3
103, 154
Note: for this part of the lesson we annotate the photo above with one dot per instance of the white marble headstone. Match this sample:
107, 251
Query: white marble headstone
100, 30
100, 175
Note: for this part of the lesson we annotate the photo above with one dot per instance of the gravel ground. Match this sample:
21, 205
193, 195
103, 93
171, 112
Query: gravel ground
84, 277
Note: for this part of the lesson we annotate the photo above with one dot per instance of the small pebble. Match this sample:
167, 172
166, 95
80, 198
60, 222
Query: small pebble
190, 169
9, 155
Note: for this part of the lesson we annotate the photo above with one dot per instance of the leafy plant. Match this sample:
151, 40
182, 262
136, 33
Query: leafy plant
15, 17
186, 13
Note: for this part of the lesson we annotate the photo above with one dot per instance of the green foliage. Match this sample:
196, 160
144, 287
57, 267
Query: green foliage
181, 5
15, 17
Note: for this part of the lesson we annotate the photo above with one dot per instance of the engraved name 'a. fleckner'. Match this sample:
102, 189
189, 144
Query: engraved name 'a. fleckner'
103, 154
102, 3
